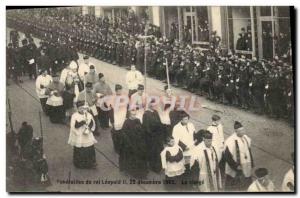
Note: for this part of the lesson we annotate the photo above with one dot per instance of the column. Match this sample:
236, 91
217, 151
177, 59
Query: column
155, 15
85, 10
98, 11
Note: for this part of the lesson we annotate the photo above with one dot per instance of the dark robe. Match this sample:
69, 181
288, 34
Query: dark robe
84, 157
25, 135
132, 158
154, 138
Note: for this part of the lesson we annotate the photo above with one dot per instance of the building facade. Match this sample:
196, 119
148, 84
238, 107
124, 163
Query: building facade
255, 31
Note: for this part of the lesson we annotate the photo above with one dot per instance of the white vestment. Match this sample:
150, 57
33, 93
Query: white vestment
218, 136
288, 178
244, 144
44, 81
213, 155
257, 187
133, 79
82, 136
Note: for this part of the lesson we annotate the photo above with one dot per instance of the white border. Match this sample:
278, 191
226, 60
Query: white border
5, 3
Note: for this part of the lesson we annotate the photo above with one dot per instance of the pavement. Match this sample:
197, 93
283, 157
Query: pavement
272, 140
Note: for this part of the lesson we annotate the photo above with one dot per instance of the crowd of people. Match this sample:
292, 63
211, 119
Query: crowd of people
264, 86
71, 91
27, 167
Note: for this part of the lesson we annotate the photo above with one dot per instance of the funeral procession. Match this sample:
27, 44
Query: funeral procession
141, 99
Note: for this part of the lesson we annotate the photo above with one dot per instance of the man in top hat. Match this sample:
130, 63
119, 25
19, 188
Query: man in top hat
41, 84
239, 160
133, 79
262, 182
207, 158
133, 153
216, 129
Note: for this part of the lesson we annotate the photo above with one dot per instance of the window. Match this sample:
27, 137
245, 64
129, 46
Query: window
203, 25
240, 29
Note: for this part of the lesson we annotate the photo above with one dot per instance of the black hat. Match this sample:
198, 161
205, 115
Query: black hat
118, 87
92, 67
215, 117
89, 84
80, 103
55, 75
261, 172
237, 125
199, 135
140, 87
86, 57
100, 75
207, 135
184, 114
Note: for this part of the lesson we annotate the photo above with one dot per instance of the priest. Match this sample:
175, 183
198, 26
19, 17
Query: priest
132, 158
81, 137
154, 136
173, 165
262, 182
239, 160
207, 158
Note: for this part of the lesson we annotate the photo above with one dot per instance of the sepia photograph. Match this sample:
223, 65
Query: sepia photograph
150, 99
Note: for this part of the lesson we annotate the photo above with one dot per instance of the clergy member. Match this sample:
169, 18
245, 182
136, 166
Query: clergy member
288, 184
102, 90
133, 79
81, 137
154, 136
119, 115
216, 130
41, 84
207, 158
173, 165
239, 160
133, 158
262, 182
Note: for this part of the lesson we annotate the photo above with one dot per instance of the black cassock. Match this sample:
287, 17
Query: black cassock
154, 138
132, 158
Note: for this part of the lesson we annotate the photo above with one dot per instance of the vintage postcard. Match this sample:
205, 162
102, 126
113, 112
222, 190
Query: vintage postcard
145, 99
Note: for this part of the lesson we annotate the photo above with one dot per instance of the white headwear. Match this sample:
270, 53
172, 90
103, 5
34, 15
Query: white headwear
73, 65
